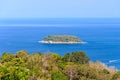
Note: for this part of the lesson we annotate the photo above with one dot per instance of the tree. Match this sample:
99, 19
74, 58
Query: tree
79, 57
76, 57
70, 70
86, 72
67, 57
55, 57
14, 70
116, 76
6, 57
51, 66
23, 55
57, 75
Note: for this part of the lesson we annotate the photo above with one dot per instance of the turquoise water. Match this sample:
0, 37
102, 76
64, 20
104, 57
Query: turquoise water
103, 40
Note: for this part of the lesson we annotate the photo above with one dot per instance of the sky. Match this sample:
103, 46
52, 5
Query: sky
59, 9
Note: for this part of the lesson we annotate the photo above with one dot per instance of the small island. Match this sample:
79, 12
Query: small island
61, 39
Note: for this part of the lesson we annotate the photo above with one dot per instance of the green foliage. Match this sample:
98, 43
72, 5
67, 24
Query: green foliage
57, 75
14, 70
62, 38
76, 72
67, 57
22, 54
6, 57
105, 71
116, 76
13, 73
55, 57
38, 66
79, 57
76, 57
86, 71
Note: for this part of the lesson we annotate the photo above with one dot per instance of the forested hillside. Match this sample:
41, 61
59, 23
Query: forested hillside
52, 66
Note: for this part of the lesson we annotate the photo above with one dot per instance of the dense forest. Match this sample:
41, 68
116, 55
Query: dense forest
52, 66
62, 38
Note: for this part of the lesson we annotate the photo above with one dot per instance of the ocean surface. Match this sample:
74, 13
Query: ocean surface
103, 40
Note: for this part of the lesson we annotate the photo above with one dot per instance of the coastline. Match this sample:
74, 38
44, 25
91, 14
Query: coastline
52, 42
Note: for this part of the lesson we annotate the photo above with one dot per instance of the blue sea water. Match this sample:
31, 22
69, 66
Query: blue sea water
103, 40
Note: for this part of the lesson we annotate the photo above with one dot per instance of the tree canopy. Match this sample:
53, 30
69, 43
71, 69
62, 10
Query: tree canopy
52, 66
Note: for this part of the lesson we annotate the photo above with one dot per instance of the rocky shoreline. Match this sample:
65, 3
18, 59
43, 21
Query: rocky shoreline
52, 42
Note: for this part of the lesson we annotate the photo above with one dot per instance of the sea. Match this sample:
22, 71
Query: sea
102, 38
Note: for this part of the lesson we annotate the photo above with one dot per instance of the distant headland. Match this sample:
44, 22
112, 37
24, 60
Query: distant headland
61, 39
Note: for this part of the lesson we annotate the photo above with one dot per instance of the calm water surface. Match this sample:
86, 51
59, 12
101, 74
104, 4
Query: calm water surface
103, 41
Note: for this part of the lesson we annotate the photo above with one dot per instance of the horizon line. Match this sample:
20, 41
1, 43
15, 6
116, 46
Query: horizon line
57, 25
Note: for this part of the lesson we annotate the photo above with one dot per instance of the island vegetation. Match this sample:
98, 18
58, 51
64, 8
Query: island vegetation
52, 66
61, 39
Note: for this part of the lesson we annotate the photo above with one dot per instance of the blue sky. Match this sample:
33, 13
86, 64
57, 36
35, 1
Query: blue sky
59, 8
